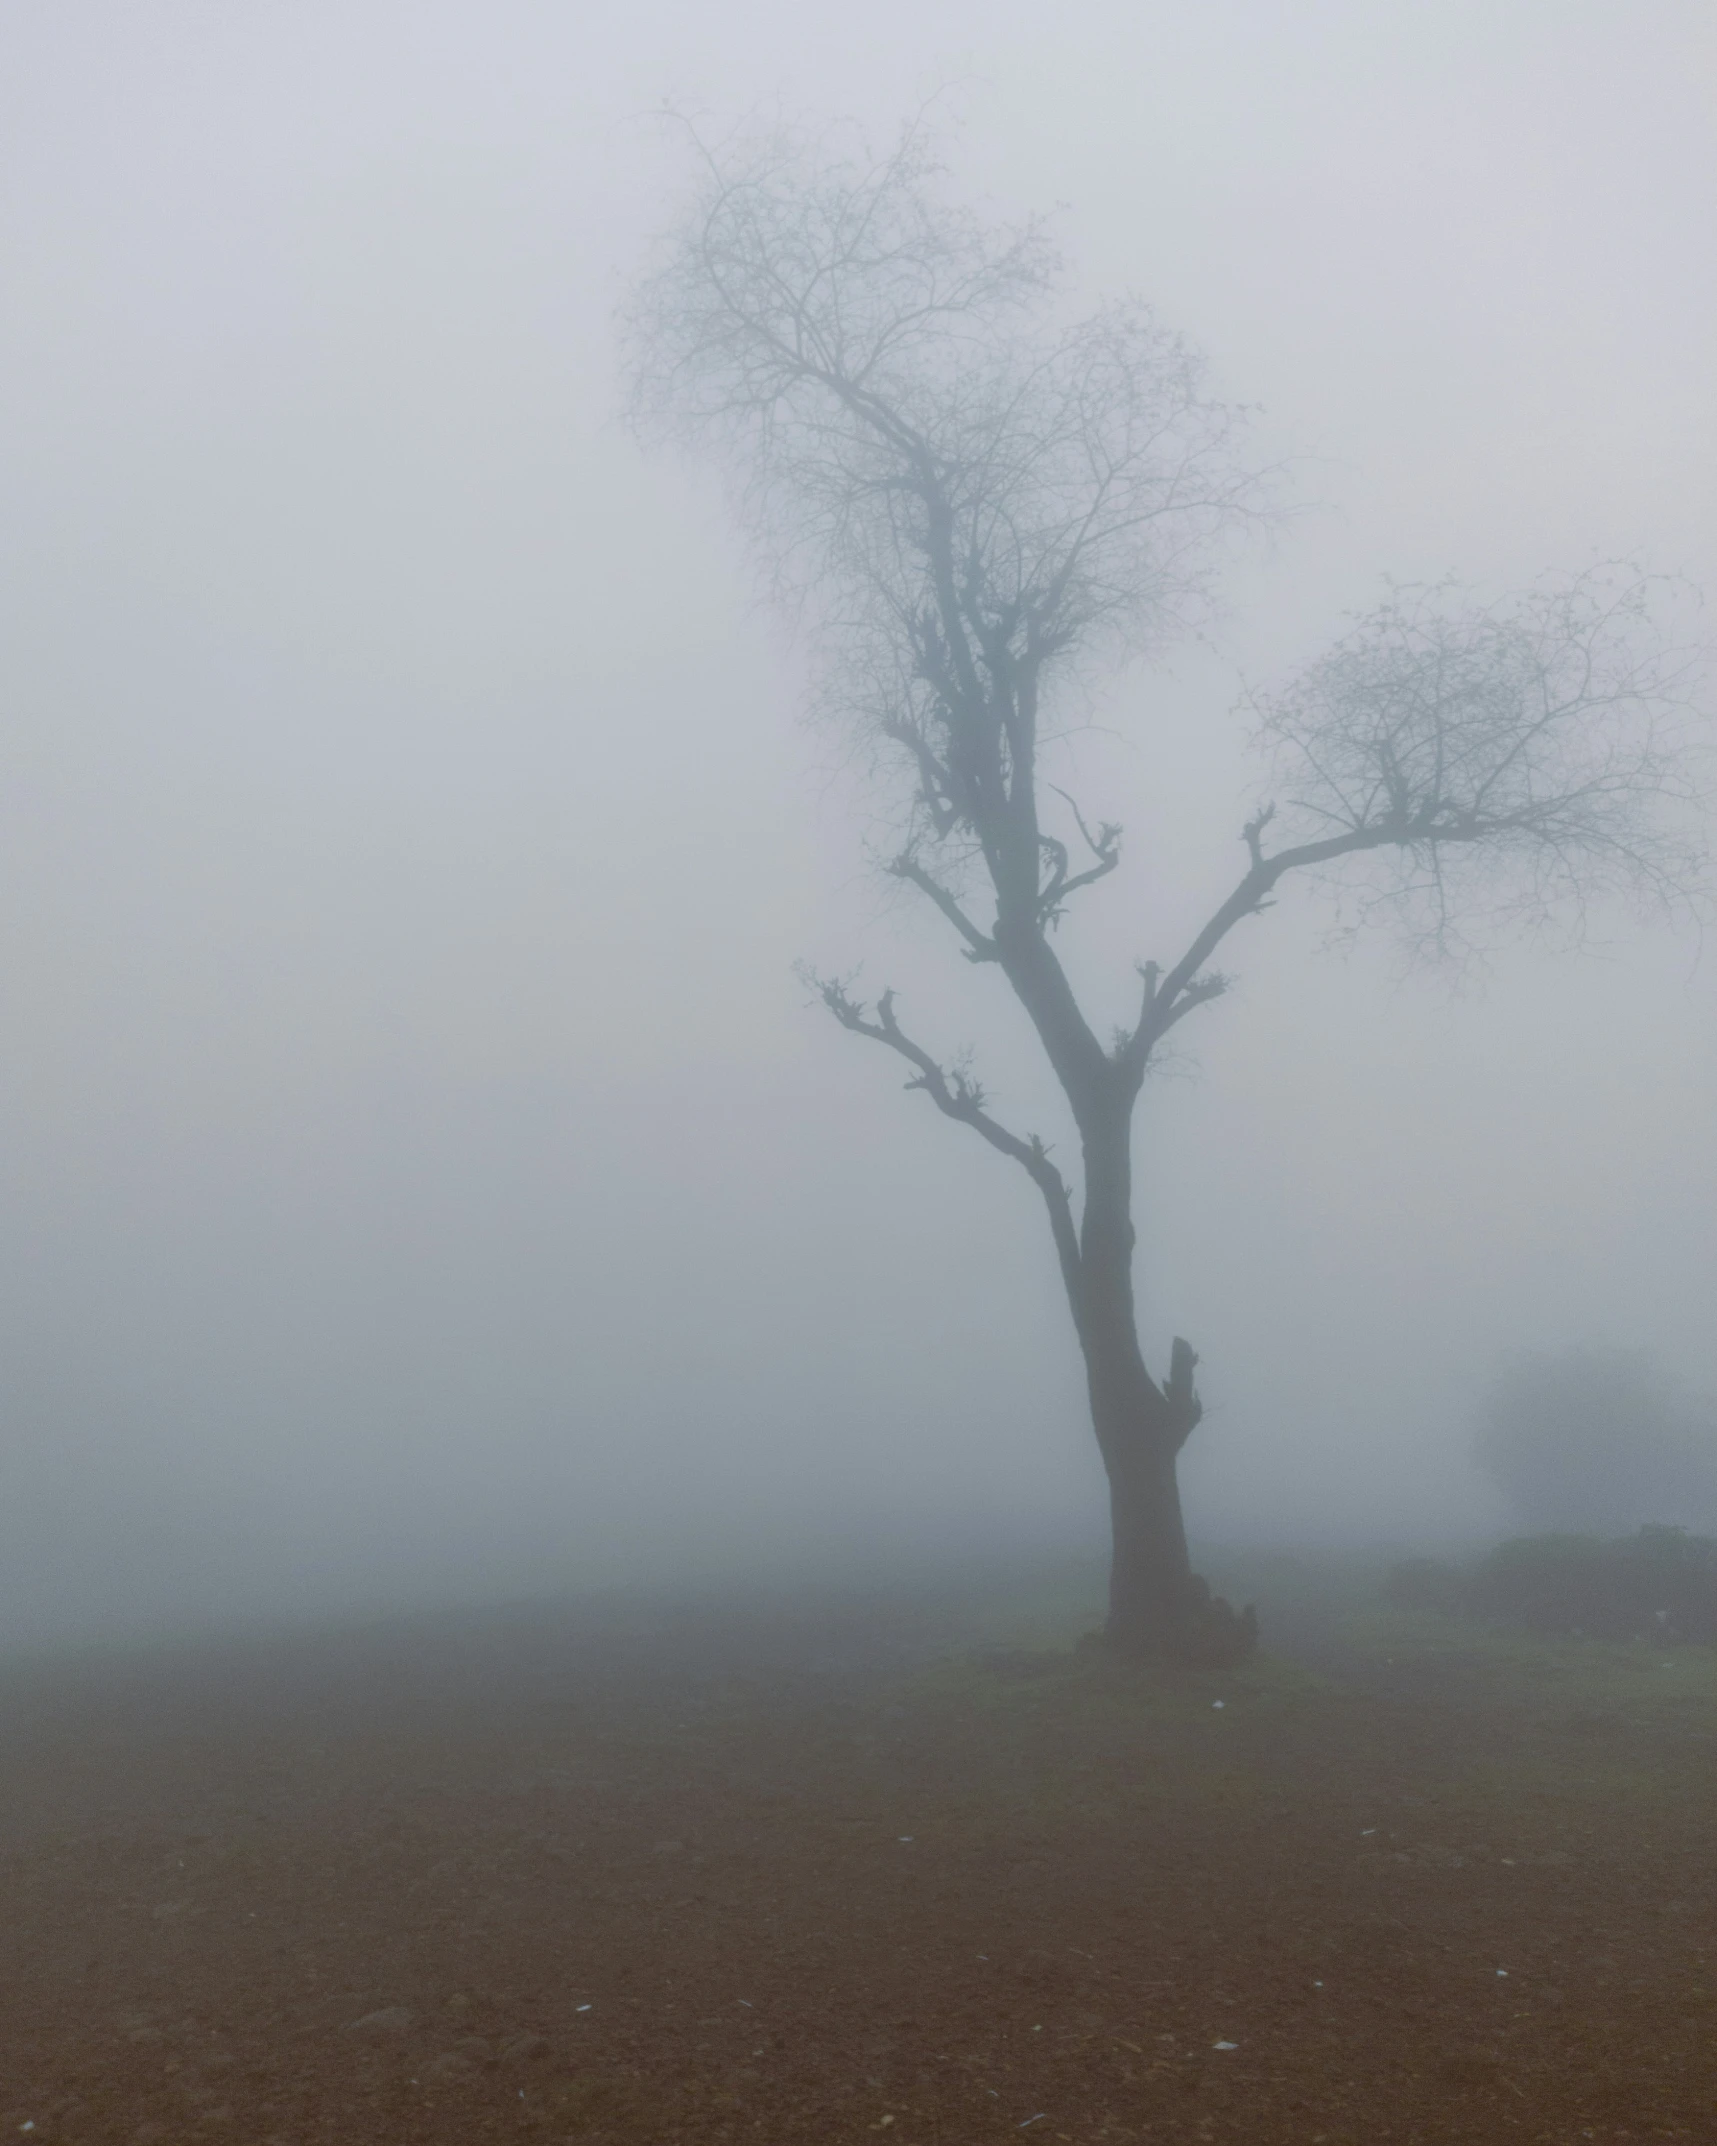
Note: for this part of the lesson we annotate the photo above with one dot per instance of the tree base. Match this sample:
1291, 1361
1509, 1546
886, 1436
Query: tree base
1208, 1633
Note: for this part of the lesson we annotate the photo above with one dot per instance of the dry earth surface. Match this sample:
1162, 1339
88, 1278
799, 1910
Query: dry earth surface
816, 1870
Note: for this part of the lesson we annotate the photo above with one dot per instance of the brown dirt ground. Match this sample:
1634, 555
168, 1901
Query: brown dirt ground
721, 1875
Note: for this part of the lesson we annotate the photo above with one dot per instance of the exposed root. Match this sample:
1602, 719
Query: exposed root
1208, 1633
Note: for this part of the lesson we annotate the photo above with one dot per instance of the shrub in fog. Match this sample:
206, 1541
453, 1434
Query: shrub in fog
1594, 1441
1658, 1584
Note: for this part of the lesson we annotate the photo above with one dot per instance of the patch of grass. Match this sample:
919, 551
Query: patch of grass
1492, 1723
1492, 1658
1658, 1585
1077, 1736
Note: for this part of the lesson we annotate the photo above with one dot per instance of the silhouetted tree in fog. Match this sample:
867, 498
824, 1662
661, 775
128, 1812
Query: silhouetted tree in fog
1597, 1441
975, 502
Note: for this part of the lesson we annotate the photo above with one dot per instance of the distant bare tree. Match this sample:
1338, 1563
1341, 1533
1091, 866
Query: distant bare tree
973, 502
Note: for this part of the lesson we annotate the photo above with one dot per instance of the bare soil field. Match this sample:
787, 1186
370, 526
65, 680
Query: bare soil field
831, 1870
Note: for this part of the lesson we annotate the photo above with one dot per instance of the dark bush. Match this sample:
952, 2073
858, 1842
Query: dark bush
1552, 1583
1596, 1440
1659, 1584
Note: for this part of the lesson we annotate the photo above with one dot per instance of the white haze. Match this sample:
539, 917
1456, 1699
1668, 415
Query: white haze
422, 1175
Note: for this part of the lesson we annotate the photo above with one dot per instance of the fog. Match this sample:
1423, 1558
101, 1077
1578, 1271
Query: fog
423, 1175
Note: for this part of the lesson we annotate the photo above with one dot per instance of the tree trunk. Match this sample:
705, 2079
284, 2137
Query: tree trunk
1150, 1569
1157, 1604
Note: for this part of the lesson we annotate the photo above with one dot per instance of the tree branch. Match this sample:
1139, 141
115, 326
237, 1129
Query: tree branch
1104, 845
1185, 1408
934, 780
1186, 986
961, 1098
979, 945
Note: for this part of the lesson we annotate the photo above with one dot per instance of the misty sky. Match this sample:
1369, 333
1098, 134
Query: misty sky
420, 1167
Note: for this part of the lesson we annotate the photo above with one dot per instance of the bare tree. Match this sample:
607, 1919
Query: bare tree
974, 501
